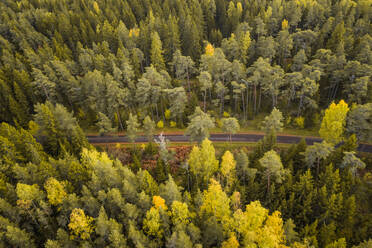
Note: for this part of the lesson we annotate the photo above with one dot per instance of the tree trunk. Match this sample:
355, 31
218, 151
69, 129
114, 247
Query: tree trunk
300, 106
188, 79
205, 97
243, 105
46, 93
121, 124
259, 100
254, 98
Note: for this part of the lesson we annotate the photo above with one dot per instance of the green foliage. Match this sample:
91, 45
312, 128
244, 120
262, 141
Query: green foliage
149, 128
59, 129
203, 163
273, 122
132, 127
96, 201
230, 126
104, 124
63, 63
273, 167
358, 122
199, 125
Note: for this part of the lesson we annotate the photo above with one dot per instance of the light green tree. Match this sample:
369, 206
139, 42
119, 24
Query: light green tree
203, 163
199, 125
230, 126
183, 66
205, 80
273, 122
352, 162
273, 166
149, 128
104, 124
359, 122
316, 153
177, 97
132, 128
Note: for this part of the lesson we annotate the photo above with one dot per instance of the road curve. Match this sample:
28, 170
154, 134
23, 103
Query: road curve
284, 139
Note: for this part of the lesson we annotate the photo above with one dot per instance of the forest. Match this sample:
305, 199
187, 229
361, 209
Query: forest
69, 68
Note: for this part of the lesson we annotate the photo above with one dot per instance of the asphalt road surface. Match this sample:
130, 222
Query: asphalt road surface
284, 139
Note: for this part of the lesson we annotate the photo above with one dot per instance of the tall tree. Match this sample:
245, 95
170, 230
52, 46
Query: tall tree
104, 124
316, 153
149, 128
157, 52
333, 123
273, 167
199, 125
273, 122
352, 162
178, 98
132, 128
359, 122
230, 126
203, 163
205, 80
183, 67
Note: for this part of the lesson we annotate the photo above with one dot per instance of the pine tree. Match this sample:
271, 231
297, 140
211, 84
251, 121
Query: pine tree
157, 52
132, 128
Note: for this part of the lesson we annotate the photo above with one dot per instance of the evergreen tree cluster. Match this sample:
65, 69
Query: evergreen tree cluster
104, 59
304, 196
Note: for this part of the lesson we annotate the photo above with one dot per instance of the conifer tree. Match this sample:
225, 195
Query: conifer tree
157, 52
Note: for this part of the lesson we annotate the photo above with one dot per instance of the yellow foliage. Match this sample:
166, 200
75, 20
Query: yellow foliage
231, 242
134, 32
300, 122
203, 162
80, 225
235, 200
239, 7
160, 124
180, 213
209, 49
216, 203
89, 158
334, 121
96, 7
55, 191
173, 124
159, 202
245, 44
152, 224
259, 228
33, 127
167, 114
226, 115
284, 24
28, 192
218, 123
227, 164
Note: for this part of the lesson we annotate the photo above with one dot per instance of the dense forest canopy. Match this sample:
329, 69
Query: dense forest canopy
105, 59
72, 66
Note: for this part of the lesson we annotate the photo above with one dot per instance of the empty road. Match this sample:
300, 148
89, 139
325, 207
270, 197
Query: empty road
284, 139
